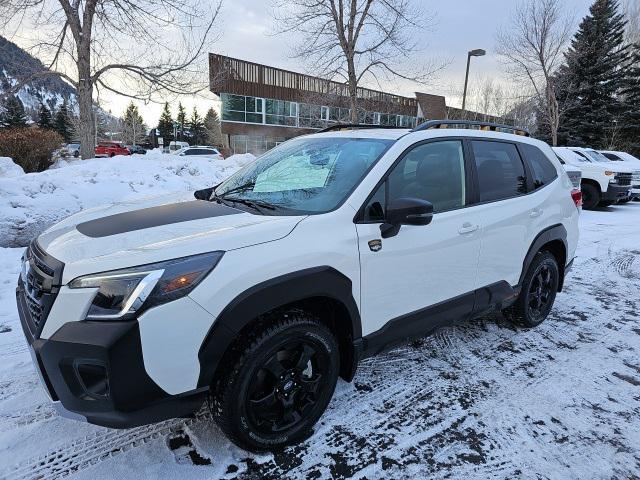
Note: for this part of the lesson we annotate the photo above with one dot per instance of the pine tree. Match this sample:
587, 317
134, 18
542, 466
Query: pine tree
14, 115
197, 128
182, 121
165, 125
595, 73
213, 134
134, 130
631, 96
62, 122
44, 117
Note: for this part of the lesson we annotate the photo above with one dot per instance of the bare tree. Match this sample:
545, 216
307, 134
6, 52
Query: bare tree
135, 48
533, 47
356, 41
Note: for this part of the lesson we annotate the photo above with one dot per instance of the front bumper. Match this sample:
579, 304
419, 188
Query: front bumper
95, 371
616, 192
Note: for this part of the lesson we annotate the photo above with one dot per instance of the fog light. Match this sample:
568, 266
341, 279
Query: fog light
94, 381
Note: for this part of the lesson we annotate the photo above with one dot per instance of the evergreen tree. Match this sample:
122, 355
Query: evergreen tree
165, 125
134, 130
594, 71
213, 134
14, 115
62, 122
182, 121
197, 128
631, 96
44, 117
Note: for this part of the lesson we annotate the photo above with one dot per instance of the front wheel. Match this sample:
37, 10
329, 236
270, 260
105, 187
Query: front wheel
538, 292
590, 196
278, 385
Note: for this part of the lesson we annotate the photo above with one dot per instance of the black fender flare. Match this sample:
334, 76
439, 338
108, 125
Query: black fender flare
323, 281
550, 234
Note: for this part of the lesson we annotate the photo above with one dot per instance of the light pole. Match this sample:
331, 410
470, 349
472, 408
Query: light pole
473, 53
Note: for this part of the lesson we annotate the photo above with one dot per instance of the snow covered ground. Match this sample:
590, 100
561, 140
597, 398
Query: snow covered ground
30, 203
479, 400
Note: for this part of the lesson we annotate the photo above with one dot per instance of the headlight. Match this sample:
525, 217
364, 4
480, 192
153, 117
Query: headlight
122, 293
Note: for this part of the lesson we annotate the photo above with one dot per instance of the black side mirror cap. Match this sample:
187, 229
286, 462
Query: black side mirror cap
406, 211
204, 194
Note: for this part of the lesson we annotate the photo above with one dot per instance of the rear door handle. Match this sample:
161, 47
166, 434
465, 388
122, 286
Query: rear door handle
467, 228
536, 212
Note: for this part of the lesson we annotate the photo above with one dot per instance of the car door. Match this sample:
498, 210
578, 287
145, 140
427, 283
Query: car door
504, 210
422, 266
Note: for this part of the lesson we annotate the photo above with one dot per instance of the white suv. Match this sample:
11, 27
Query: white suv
327, 249
603, 182
200, 152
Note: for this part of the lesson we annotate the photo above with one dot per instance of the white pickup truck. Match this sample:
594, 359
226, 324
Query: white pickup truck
603, 182
627, 160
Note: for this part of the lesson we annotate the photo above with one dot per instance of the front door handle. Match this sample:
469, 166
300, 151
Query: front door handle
467, 228
536, 212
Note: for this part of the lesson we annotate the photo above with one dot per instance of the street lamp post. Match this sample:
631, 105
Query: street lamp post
473, 53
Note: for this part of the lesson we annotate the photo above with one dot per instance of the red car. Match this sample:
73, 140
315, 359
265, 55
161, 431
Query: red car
110, 149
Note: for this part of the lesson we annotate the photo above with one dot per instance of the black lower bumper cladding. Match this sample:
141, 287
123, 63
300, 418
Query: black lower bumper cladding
616, 192
96, 370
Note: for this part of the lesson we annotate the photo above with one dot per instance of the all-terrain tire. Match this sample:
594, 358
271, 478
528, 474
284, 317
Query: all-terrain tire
523, 312
232, 395
590, 196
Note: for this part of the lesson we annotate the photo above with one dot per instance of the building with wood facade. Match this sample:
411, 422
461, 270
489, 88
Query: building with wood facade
263, 106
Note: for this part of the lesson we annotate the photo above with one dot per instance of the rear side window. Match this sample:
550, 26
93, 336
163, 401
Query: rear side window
613, 157
500, 170
542, 169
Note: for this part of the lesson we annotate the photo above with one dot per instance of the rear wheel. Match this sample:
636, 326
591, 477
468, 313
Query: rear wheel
590, 196
278, 385
538, 293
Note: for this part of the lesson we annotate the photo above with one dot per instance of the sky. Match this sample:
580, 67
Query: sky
245, 30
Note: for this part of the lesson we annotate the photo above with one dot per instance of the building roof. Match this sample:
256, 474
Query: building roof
240, 77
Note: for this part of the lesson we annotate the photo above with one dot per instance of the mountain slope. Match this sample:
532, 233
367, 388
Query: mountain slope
16, 64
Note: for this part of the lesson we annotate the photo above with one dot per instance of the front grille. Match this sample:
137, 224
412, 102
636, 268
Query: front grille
624, 179
40, 282
636, 179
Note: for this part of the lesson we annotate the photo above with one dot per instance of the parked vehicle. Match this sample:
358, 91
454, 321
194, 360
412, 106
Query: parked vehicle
136, 149
629, 161
326, 250
602, 184
111, 149
73, 150
175, 146
575, 175
200, 151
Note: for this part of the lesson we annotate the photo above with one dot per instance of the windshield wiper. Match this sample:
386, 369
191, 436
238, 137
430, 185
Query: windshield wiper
239, 188
255, 204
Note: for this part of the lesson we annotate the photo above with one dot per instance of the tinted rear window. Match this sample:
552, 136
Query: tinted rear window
542, 169
500, 170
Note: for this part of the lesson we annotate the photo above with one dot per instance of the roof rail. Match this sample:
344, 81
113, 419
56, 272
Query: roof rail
355, 126
472, 124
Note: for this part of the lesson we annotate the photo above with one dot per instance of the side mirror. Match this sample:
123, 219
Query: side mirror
204, 194
406, 211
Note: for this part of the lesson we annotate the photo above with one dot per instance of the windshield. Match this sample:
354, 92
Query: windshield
581, 156
597, 156
304, 175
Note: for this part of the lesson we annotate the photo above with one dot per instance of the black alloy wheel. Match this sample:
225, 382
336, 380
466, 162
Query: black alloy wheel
274, 389
286, 388
538, 291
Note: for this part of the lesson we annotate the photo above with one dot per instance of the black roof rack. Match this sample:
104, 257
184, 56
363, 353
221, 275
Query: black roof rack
356, 126
493, 127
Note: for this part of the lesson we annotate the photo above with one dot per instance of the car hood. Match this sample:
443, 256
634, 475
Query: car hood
155, 229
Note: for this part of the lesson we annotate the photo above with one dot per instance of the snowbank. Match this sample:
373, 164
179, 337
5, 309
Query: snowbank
29, 203
9, 169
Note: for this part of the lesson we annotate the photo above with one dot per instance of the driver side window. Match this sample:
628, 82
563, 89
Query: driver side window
432, 171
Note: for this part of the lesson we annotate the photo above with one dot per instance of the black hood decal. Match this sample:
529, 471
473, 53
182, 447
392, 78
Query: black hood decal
153, 217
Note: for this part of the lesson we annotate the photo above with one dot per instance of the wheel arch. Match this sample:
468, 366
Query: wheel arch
554, 240
321, 290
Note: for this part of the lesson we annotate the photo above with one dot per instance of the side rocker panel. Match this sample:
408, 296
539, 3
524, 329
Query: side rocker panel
321, 281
